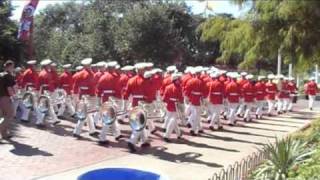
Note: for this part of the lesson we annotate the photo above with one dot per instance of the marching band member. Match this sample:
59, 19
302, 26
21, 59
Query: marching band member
311, 91
292, 87
30, 78
241, 82
215, 96
123, 81
232, 93
46, 84
157, 79
65, 83
55, 76
101, 66
136, 86
248, 94
150, 97
271, 90
260, 96
84, 85
282, 95
167, 78
195, 91
172, 95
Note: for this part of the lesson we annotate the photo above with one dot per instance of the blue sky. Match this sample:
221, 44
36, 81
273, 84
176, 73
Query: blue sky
218, 6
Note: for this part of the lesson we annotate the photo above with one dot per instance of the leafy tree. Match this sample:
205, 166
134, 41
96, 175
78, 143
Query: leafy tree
9, 46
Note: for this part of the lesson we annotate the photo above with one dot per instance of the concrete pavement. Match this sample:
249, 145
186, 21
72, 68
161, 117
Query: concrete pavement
54, 154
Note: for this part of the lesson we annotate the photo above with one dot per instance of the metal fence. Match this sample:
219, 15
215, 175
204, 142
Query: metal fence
241, 170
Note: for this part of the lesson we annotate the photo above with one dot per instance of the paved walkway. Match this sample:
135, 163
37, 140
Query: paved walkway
54, 154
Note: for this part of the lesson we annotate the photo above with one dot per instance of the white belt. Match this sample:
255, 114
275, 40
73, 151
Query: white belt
248, 93
65, 85
44, 85
29, 84
233, 94
216, 93
196, 93
108, 91
259, 92
137, 96
271, 91
84, 88
173, 99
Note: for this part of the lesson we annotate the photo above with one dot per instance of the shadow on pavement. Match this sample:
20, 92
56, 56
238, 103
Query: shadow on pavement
246, 133
186, 157
27, 150
230, 139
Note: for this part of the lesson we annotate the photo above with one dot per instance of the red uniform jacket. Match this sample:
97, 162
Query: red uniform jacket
242, 82
292, 87
109, 85
151, 91
222, 78
66, 81
172, 94
312, 88
136, 88
215, 91
195, 90
157, 79
123, 81
46, 81
84, 83
271, 90
97, 76
166, 81
248, 92
260, 91
184, 79
232, 92
29, 77
55, 79
285, 91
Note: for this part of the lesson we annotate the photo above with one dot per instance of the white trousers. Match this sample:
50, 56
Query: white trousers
241, 106
137, 136
232, 112
271, 104
282, 104
172, 125
290, 104
215, 110
311, 100
194, 118
114, 128
78, 128
41, 116
247, 113
166, 121
260, 104
66, 105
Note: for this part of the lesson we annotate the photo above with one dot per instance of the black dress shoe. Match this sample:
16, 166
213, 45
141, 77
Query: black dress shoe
146, 144
269, 115
166, 139
40, 126
153, 131
201, 131
257, 116
120, 121
119, 137
103, 142
189, 125
231, 124
24, 121
77, 136
56, 122
60, 117
211, 128
94, 134
220, 127
131, 147
180, 135
192, 133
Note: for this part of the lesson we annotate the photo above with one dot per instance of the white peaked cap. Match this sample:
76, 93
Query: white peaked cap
243, 73
117, 66
66, 66
86, 61
112, 64
188, 69
149, 64
233, 74
139, 65
198, 69
171, 68
127, 68
249, 76
78, 68
214, 75
54, 64
223, 71
271, 76
157, 70
93, 65
175, 76
45, 62
291, 78
32, 62
101, 64
261, 77
147, 74
312, 78
280, 76
18, 69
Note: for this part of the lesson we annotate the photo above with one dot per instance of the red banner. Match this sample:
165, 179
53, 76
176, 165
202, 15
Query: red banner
26, 24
